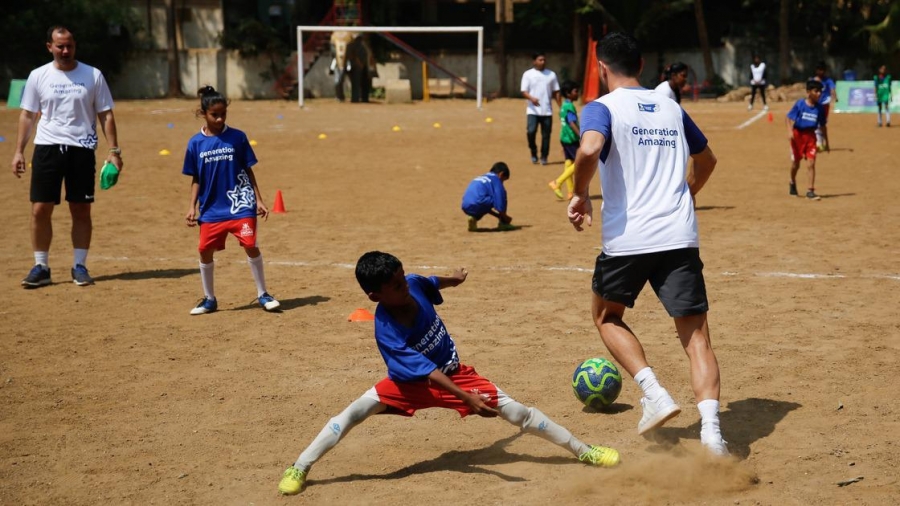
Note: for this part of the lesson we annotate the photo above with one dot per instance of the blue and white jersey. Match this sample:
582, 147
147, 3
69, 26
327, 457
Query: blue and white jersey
483, 194
827, 88
412, 353
220, 163
647, 204
805, 116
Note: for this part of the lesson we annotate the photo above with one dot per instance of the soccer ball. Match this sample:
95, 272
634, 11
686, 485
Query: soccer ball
597, 383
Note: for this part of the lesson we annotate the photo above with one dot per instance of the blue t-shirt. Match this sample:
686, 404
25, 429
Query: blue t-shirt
220, 163
412, 353
827, 87
483, 194
806, 117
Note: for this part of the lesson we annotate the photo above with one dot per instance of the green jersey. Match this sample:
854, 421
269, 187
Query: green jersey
883, 88
568, 113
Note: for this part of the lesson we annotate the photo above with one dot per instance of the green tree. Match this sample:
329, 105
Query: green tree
103, 33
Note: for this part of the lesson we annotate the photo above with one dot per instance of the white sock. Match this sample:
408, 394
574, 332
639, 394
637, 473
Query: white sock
337, 428
820, 139
709, 420
206, 277
533, 421
259, 276
42, 258
887, 116
80, 256
653, 391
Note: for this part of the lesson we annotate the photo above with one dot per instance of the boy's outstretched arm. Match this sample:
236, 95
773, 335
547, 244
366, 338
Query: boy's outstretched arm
457, 278
475, 402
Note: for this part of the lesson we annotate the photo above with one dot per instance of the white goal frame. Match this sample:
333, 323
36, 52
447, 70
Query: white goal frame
396, 29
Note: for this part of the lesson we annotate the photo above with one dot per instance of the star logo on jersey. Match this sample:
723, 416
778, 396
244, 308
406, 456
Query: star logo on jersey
242, 196
647, 107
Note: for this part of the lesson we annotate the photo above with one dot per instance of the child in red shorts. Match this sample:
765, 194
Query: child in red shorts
802, 121
424, 370
219, 161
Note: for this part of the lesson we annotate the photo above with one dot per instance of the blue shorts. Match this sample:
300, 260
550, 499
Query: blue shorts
569, 150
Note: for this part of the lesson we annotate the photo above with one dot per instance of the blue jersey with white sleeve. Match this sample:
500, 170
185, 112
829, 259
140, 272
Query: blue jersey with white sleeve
827, 88
484, 193
807, 117
647, 205
220, 163
412, 353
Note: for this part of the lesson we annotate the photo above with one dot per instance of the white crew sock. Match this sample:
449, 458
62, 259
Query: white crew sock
337, 428
206, 277
533, 421
42, 258
80, 256
653, 391
259, 275
709, 420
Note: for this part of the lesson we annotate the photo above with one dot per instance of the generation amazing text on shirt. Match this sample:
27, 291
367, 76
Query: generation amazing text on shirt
218, 155
67, 88
665, 137
432, 338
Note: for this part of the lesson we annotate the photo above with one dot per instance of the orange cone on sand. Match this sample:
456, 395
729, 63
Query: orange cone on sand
771, 118
361, 315
279, 203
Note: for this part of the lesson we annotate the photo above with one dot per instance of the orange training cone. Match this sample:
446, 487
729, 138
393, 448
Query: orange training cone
771, 118
279, 203
360, 315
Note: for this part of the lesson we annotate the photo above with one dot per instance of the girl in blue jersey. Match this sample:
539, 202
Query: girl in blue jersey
424, 370
219, 161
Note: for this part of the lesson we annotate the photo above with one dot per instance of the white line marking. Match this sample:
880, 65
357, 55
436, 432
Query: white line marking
507, 268
751, 120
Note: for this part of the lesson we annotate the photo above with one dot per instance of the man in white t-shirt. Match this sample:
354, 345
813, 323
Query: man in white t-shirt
69, 96
539, 85
642, 141
757, 82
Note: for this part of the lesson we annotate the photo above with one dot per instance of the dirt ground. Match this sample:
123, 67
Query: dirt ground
114, 394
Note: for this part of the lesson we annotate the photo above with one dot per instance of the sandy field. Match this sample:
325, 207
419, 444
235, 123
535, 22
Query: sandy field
114, 394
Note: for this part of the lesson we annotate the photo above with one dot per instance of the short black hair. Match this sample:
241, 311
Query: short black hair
58, 28
814, 84
567, 86
374, 269
821, 66
534, 55
676, 68
620, 52
500, 168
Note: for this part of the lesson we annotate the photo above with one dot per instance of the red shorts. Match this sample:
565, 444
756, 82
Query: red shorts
405, 399
803, 145
213, 235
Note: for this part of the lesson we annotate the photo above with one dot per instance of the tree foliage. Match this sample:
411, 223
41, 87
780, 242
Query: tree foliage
103, 32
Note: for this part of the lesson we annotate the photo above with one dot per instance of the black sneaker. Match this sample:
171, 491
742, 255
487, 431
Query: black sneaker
80, 276
793, 190
534, 160
38, 276
811, 195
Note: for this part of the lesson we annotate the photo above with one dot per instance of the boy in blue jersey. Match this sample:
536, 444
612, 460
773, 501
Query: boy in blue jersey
804, 119
829, 94
487, 195
219, 161
641, 142
424, 370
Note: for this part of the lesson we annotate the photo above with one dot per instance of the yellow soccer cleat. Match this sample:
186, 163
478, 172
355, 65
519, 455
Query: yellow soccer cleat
555, 187
473, 224
292, 482
600, 456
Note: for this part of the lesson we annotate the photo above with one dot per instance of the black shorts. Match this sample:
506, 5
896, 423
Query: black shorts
676, 276
53, 164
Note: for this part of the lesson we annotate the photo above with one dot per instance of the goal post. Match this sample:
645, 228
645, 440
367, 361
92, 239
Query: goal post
394, 29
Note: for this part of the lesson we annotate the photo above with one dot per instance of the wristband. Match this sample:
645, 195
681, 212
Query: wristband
115, 151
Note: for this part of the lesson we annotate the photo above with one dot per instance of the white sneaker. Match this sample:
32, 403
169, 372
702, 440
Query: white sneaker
657, 413
749, 107
765, 108
717, 447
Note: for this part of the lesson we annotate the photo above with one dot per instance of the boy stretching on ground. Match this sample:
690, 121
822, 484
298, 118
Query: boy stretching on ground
424, 370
